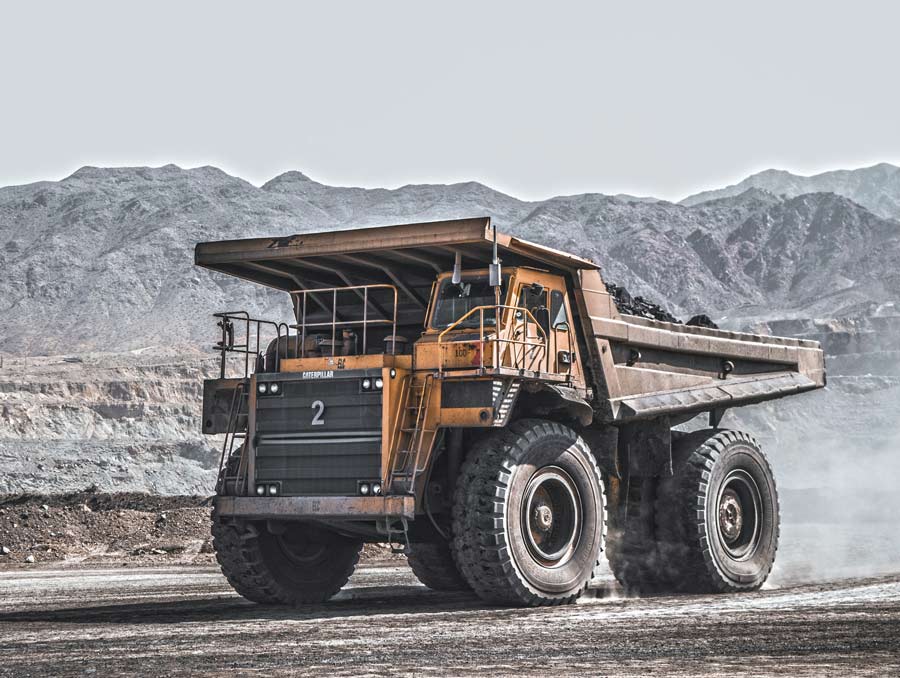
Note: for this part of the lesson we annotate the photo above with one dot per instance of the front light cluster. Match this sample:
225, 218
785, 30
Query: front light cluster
370, 488
267, 490
369, 384
268, 388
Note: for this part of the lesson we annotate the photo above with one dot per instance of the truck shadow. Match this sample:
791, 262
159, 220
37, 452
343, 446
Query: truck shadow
362, 602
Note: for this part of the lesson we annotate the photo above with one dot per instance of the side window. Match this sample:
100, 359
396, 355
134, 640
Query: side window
557, 308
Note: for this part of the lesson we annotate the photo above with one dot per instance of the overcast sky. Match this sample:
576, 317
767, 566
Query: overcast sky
533, 99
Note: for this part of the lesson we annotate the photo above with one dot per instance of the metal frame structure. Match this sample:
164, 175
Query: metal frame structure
498, 340
300, 313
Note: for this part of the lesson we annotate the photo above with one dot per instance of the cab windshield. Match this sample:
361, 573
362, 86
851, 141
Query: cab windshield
455, 300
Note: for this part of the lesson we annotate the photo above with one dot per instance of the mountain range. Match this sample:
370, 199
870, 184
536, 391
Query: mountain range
103, 259
877, 188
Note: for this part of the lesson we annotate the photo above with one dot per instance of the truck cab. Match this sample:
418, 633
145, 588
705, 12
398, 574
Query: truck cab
527, 332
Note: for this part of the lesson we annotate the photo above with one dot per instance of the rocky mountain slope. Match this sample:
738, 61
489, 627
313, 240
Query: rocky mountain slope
117, 422
103, 260
876, 188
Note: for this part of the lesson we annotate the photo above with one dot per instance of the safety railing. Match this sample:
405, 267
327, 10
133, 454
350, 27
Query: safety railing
253, 336
524, 353
301, 301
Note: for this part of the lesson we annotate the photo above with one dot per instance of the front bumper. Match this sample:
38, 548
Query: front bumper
331, 508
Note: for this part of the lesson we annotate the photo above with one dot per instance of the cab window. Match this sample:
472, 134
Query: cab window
454, 301
557, 309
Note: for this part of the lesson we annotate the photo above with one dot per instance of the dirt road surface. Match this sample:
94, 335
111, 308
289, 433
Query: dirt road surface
178, 620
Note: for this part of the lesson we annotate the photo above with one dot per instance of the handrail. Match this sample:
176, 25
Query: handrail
421, 420
231, 432
300, 312
226, 344
545, 342
396, 432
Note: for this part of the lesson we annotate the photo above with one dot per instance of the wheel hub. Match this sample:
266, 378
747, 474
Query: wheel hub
731, 516
543, 517
551, 516
739, 519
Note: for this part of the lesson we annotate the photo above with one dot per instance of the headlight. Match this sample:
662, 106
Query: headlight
274, 387
260, 490
273, 490
393, 373
262, 387
379, 383
366, 384
364, 488
376, 488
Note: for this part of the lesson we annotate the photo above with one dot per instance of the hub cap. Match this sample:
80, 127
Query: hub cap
739, 514
551, 516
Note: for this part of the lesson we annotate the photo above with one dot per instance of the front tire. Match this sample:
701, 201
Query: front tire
301, 565
529, 515
717, 516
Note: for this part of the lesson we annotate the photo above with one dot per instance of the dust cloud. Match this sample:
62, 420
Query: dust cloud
836, 457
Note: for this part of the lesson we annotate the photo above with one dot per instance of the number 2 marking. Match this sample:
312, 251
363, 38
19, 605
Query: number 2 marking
319, 407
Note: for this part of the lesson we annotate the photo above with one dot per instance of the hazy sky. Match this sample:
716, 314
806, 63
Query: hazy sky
533, 99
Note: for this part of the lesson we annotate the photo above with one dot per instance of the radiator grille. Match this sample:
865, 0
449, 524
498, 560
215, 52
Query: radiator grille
325, 458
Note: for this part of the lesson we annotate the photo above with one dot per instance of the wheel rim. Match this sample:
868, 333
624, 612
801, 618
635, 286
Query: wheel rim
739, 509
298, 549
551, 516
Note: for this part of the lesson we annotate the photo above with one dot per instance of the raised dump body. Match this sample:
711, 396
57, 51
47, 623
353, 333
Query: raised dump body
425, 373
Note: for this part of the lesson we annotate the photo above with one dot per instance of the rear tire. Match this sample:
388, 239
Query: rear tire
529, 515
433, 565
303, 565
717, 517
631, 547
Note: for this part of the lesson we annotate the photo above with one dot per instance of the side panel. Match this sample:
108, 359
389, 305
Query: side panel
646, 368
218, 398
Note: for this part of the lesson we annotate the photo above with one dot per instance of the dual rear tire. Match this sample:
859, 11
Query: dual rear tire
711, 527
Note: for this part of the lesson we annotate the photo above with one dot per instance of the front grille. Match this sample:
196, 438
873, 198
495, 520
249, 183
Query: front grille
326, 458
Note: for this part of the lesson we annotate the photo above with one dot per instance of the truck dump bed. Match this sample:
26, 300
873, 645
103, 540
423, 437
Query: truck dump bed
637, 368
660, 368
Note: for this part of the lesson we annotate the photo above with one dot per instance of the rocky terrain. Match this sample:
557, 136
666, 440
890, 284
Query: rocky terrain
87, 526
126, 528
125, 422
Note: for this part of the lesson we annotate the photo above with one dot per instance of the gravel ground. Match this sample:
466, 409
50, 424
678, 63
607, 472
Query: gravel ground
126, 584
181, 620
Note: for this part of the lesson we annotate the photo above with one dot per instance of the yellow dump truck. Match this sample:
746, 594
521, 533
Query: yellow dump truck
478, 402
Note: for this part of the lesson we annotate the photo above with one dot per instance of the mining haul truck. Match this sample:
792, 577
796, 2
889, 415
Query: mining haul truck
479, 403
